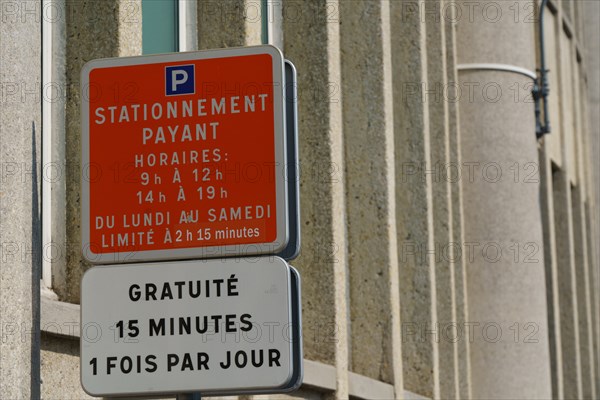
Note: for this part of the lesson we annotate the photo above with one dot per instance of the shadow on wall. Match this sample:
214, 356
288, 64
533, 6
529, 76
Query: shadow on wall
36, 266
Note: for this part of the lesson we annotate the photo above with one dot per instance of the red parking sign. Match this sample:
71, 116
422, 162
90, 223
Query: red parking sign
184, 156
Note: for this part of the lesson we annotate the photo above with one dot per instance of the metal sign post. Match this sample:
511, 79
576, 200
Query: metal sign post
189, 396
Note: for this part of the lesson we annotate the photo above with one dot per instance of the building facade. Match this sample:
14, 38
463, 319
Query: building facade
447, 252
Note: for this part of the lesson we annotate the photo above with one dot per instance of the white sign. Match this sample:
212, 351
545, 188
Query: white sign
190, 326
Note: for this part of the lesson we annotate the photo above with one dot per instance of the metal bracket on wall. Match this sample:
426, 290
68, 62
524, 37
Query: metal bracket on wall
540, 87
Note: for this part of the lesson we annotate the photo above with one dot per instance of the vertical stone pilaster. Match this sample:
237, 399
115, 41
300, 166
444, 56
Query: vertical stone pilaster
569, 320
591, 30
587, 150
453, 174
395, 346
414, 201
370, 190
434, 98
312, 43
229, 23
564, 181
593, 287
551, 158
552, 276
582, 293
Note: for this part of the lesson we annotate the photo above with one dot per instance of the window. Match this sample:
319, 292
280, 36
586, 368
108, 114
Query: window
160, 27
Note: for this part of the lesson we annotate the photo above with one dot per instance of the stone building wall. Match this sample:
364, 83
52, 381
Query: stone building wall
446, 252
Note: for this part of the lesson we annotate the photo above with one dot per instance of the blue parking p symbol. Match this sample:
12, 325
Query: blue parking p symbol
179, 80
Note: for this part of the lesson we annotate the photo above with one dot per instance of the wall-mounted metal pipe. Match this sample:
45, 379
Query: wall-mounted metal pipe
497, 67
540, 88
